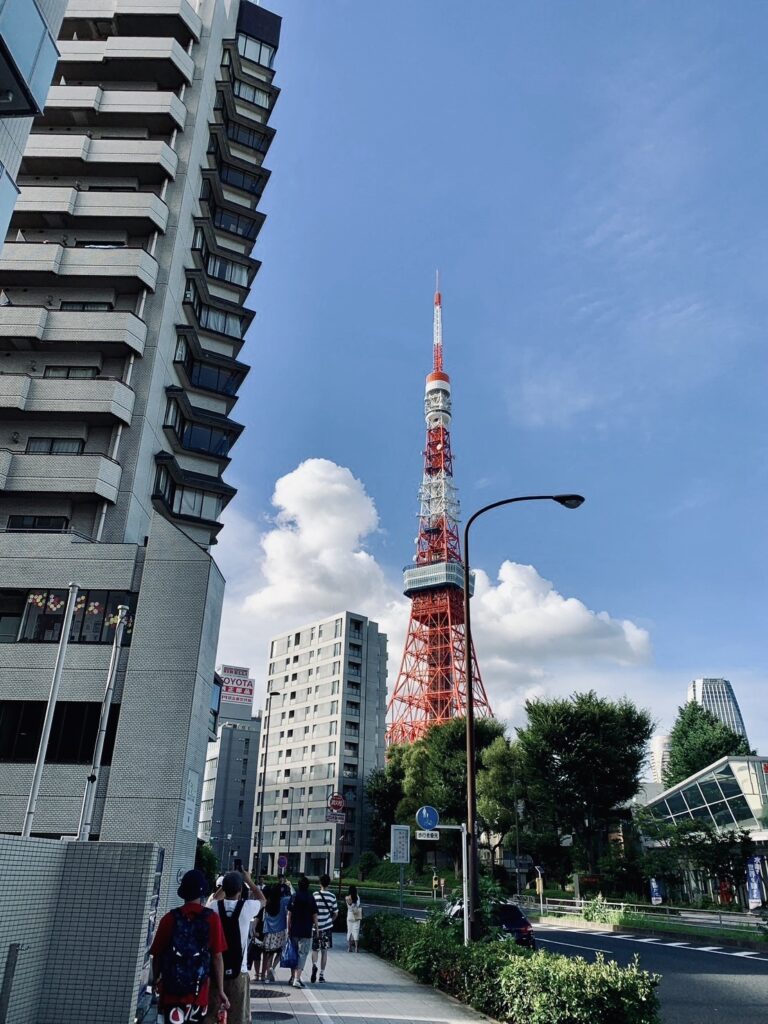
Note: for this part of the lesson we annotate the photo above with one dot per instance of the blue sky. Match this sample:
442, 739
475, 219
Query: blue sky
590, 180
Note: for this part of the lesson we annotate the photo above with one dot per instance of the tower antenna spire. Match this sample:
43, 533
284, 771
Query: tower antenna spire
437, 328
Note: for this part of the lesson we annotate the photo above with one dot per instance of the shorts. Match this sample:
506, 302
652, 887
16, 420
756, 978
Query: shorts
322, 940
183, 1014
303, 945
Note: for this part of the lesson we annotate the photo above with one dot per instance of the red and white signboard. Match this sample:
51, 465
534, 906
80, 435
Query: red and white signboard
336, 803
238, 687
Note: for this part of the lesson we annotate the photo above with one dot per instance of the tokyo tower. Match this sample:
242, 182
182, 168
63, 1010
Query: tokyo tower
431, 687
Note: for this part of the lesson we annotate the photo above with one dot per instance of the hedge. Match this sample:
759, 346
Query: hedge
512, 984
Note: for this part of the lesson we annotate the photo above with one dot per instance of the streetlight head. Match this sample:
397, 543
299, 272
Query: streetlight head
569, 500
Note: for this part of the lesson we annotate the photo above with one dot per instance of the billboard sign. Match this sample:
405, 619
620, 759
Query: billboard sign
237, 686
656, 897
400, 844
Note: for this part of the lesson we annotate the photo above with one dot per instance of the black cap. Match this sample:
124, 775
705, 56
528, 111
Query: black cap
194, 886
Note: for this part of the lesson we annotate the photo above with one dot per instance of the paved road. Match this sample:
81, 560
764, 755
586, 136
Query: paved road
701, 983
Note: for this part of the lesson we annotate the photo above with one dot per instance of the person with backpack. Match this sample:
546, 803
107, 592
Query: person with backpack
236, 915
354, 917
322, 940
187, 952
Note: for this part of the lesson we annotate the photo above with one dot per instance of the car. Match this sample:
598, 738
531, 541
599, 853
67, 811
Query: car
507, 919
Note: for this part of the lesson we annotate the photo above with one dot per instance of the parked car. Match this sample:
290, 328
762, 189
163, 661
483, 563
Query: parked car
506, 917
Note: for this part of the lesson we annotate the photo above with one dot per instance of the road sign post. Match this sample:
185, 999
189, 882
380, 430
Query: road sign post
464, 875
400, 851
427, 818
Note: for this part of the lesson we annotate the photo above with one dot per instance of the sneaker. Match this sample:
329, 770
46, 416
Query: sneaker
313, 976
270, 975
297, 983
321, 978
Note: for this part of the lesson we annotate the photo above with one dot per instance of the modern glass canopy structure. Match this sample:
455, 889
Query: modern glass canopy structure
732, 791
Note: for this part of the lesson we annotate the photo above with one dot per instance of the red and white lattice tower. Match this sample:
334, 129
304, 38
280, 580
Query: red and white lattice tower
431, 687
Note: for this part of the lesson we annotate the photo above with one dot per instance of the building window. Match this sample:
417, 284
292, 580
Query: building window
94, 620
198, 437
55, 445
73, 733
207, 376
86, 307
250, 93
28, 524
250, 138
186, 501
255, 50
72, 372
235, 224
212, 319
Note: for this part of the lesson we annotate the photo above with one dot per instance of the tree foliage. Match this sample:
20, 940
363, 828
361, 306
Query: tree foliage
582, 757
697, 740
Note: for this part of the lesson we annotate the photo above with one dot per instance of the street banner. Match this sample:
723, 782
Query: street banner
656, 897
754, 888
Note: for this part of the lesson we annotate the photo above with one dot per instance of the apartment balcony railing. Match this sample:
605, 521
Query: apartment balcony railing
41, 328
134, 211
79, 105
43, 264
126, 58
177, 18
95, 399
149, 160
26, 472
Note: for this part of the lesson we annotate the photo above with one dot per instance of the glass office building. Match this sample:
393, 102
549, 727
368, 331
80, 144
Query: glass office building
729, 793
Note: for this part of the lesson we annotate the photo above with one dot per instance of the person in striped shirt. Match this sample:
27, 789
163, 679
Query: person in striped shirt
322, 940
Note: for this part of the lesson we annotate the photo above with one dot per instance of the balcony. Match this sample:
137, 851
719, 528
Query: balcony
85, 474
73, 106
44, 264
47, 206
126, 58
97, 400
147, 159
175, 18
25, 327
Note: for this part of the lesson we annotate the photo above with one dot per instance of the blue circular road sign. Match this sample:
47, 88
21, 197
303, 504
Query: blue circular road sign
427, 818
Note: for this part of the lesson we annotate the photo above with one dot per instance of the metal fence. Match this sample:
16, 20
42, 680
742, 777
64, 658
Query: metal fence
661, 916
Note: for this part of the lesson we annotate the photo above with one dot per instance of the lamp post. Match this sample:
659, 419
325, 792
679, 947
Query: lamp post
567, 501
267, 719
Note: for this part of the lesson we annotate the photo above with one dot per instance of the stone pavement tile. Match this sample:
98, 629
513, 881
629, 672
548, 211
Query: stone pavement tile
362, 989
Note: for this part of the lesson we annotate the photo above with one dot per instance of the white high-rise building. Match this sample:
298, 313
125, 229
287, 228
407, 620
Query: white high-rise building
717, 696
659, 756
323, 732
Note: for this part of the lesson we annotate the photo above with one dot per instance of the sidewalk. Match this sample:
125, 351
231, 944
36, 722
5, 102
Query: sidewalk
361, 989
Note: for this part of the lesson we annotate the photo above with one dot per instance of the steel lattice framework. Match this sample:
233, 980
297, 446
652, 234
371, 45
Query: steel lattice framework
431, 686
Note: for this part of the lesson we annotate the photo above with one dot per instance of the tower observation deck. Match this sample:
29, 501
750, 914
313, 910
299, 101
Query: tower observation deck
431, 685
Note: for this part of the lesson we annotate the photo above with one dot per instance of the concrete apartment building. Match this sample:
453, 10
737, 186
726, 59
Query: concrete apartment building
324, 731
229, 785
28, 56
717, 696
123, 278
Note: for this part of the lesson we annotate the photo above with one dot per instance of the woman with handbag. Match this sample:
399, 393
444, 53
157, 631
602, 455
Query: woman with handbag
354, 917
302, 921
275, 931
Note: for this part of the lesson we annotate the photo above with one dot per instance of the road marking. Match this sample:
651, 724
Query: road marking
316, 1005
746, 952
658, 941
710, 949
667, 943
572, 945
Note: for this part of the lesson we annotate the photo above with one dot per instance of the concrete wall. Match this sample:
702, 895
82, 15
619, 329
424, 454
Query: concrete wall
82, 915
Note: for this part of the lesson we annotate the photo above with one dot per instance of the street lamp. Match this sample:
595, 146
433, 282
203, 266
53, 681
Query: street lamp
567, 501
265, 726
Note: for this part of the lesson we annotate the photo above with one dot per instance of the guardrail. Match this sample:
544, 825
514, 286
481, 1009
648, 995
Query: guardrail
660, 915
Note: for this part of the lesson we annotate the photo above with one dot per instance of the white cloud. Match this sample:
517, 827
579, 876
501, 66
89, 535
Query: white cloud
310, 561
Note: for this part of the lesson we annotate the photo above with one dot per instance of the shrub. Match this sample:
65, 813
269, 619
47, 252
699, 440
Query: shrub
512, 984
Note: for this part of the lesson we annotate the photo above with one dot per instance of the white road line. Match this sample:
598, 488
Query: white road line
657, 941
572, 945
746, 952
710, 949
316, 1005
389, 1017
677, 944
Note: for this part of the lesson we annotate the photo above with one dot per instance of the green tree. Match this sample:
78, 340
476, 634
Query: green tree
697, 740
498, 787
384, 790
582, 757
207, 861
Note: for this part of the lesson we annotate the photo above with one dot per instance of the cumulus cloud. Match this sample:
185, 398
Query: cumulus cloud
310, 560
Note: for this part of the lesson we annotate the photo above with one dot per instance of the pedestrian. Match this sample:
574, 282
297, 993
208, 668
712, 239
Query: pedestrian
322, 940
186, 953
275, 931
236, 915
301, 922
354, 917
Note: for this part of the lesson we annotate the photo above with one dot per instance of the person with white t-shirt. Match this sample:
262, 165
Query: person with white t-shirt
236, 915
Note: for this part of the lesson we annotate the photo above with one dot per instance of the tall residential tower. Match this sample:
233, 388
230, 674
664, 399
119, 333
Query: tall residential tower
122, 318
323, 733
431, 688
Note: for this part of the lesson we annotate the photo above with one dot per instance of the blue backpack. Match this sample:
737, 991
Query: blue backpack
186, 962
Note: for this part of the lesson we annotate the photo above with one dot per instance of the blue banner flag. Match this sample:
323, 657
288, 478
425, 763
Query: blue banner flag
754, 888
656, 897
